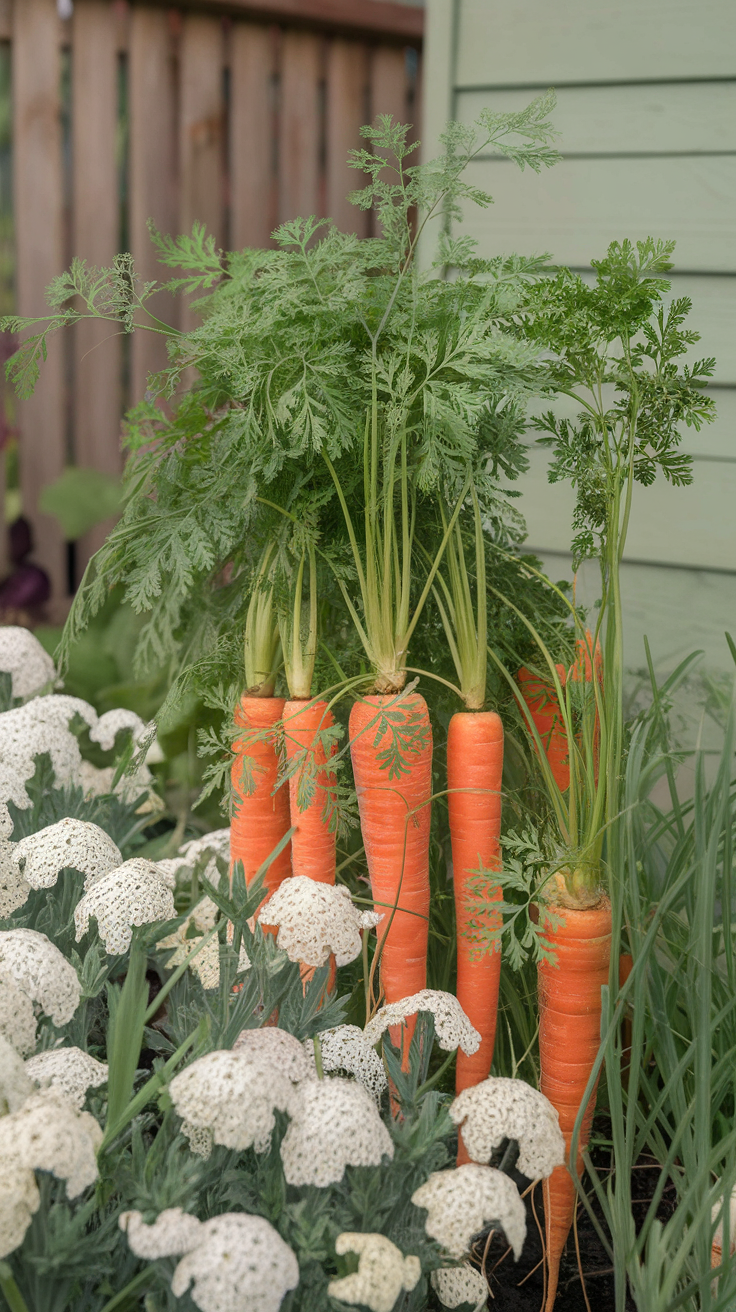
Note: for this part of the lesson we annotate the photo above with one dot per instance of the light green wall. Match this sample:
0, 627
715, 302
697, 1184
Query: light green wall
647, 116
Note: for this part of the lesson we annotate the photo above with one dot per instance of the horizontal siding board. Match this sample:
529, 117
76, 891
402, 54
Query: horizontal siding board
576, 208
692, 526
530, 42
670, 116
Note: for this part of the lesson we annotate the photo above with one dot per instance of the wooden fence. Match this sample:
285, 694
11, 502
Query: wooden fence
236, 114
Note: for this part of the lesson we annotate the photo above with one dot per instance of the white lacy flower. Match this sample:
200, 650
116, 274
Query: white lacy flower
207, 961
14, 889
233, 1262
214, 844
131, 894
461, 1202
240, 1264
109, 725
23, 657
383, 1272
233, 1095
97, 781
501, 1108
48, 1134
19, 1199
345, 1048
69, 844
452, 1027
70, 1071
15, 1085
39, 969
455, 1285
277, 1047
42, 725
174, 1231
17, 1017
316, 919
334, 1124
201, 1141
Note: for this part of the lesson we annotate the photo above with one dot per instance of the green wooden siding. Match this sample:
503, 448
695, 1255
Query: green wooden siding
647, 120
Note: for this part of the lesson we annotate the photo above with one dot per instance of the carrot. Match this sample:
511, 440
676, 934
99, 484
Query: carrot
394, 804
569, 1039
475, 762
261, 818
312, 845
541, 698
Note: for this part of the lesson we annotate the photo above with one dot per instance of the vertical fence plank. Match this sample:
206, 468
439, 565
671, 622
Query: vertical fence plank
389, 83
152, 172
38, 204
201, 121
97, 346
347, 111
252, 136
299, 141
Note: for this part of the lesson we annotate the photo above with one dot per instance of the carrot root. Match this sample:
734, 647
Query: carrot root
569, 1039
394, 806
312, 845
474, 769
261, 818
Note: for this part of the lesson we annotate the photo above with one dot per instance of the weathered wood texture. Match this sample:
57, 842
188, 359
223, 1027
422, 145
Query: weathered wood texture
237, 115
646, 115
40, 255
97, 353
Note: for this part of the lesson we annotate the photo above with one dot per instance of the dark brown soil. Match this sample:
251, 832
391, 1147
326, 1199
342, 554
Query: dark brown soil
519, 1286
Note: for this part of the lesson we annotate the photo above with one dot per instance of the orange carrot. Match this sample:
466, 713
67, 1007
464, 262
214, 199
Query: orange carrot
569, 1039
394, 806
312, 845
541, 698
475, 762
261, 818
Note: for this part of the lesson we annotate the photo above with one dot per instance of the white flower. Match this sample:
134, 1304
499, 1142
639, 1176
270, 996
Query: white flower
44, 1134
19, 1199
345, 1048
501, 1108
383, 1272
47, 1134
23, 657
334, 1124
38, 969
214, 844
131, 894
200, 1140
69, 844
42, 725
207, 962
455, 1285
174, 1231
461, 1202
452, 1027
109, 725
277, 1047
14, 889
234, 1262
15, 1085
70, 1071
316, 919
17, 1017
234, 1096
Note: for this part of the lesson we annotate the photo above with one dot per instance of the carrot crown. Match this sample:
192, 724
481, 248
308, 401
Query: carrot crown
262, 645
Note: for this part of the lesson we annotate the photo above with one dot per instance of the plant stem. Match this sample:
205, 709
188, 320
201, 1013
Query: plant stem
318, 1056
181, 968
145, 1094
429, 1084
11, 1292
132, 1287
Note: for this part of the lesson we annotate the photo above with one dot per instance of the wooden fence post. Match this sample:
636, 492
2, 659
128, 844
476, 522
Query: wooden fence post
38, 202
201, 155
299, 141
153, 174
96, 238
253, 210
347, 111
